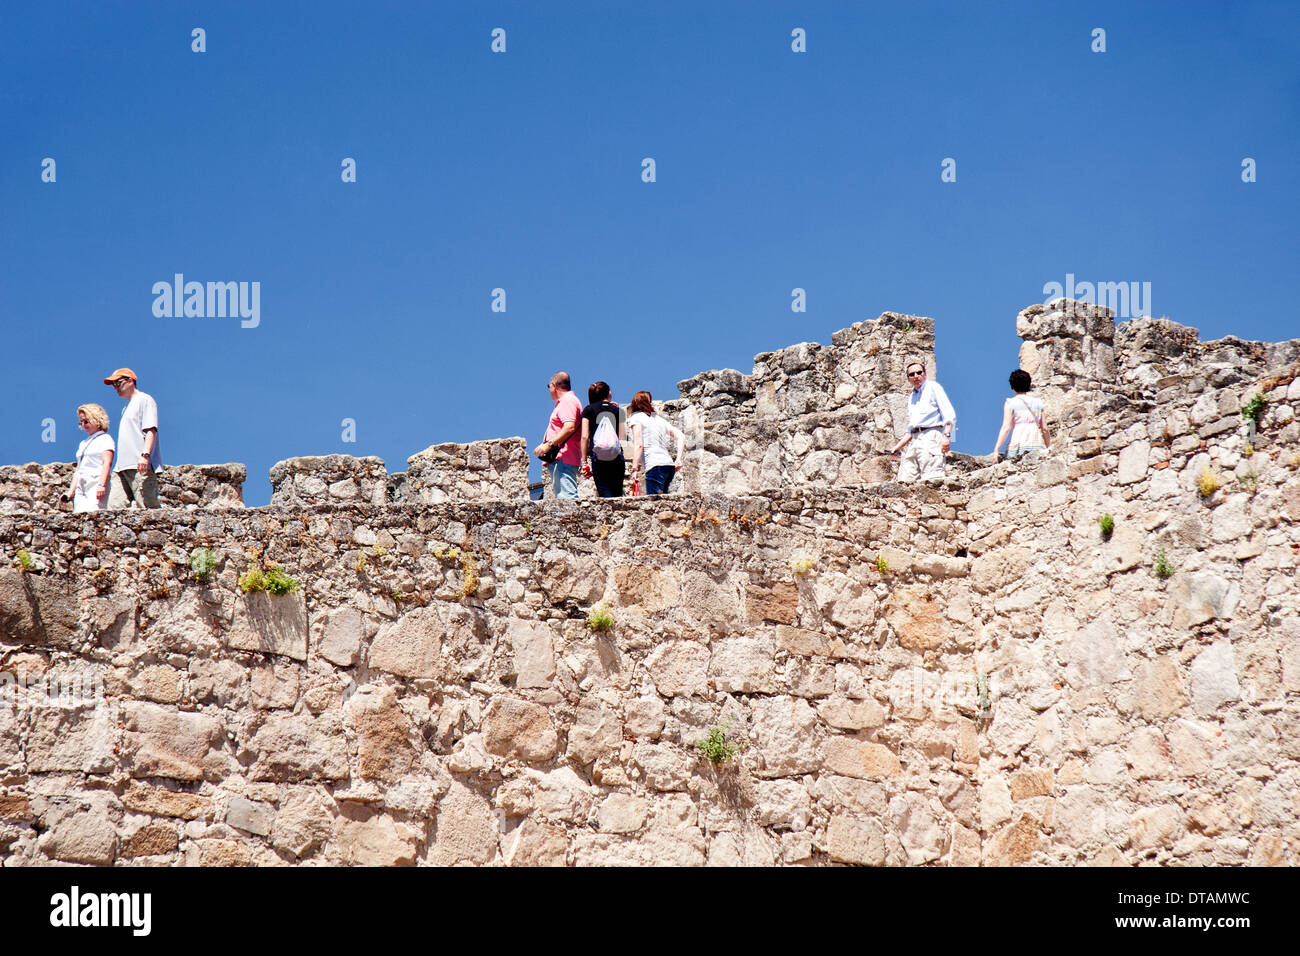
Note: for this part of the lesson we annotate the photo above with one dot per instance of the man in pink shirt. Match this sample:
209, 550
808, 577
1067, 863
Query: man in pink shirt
560, 448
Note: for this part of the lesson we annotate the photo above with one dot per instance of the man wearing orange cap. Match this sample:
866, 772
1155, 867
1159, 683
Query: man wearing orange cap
138, 456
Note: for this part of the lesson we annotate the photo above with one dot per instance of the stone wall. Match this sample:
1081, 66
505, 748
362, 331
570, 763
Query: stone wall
960, 673
477, 471
492, 470
808, 414
31, 487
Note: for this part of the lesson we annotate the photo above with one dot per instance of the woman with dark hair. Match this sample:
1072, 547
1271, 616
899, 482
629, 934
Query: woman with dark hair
650, 433
603, 432
1023, 419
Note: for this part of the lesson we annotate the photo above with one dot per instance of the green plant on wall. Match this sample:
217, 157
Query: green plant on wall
882, 565
1107, 523
202, 562
600, 618
272, 579
1254, 408
24, 559
1163, 568
718, 748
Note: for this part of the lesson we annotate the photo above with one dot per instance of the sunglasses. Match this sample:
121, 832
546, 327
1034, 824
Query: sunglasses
915, 374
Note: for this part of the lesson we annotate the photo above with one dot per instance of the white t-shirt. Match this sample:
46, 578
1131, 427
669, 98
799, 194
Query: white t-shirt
140, 413
90, 470
654, 436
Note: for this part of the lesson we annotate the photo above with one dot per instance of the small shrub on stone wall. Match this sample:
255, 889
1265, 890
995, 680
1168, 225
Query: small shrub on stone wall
24, 559
202, 562
469, 575
1107, 523
1163, 568
717, 748
1254, 408
272, 580
802, 564
600, 618
882, 565
1208, 483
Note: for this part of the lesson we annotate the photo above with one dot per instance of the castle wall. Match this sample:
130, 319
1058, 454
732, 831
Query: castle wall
35, 487
960, 673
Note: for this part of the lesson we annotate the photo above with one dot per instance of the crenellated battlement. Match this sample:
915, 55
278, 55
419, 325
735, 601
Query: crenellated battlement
973, 671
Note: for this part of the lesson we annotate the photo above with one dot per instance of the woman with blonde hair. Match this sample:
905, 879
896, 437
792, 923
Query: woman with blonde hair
89, 489
650, 434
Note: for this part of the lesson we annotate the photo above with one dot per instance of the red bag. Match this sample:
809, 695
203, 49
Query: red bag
636, 488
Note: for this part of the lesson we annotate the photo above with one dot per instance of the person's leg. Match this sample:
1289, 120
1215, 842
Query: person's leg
657, 479
907, 468
609, 477
666, 479
930, 454
147, 491
119, 490
566, 480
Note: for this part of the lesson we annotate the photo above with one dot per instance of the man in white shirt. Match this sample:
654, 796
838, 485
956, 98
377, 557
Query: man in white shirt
930, 424
138, 455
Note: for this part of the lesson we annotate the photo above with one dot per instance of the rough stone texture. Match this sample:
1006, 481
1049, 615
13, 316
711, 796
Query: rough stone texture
433, 696
270, 623
478, 471
34, 487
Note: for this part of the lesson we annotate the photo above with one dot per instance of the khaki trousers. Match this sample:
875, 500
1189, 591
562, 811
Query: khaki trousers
129, 489
923, 456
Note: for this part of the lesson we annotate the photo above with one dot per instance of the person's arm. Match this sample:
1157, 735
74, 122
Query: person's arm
1042, 426
586, 446
1005, 430
947, 414
681, 445
636, 447
149, 429
150, 439
72, 488
102, 493
560, 437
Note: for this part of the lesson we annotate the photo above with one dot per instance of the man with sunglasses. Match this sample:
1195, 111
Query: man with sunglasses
930, 424
138, 456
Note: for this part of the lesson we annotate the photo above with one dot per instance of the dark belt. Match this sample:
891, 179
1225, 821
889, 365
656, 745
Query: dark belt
925, 428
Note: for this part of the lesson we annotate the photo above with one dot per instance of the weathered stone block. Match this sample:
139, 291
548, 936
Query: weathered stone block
852, 839
384, 750
292, 747
162, 742
776, 601
533, 652
679, 667
270, 623
340, 641
411, 646
859, 758
519, 728
253, 816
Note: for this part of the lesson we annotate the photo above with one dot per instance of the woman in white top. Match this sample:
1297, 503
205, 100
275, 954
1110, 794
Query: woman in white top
89, 490
1023, 419
650, 433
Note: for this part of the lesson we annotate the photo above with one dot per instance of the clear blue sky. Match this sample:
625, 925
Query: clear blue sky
522, 170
